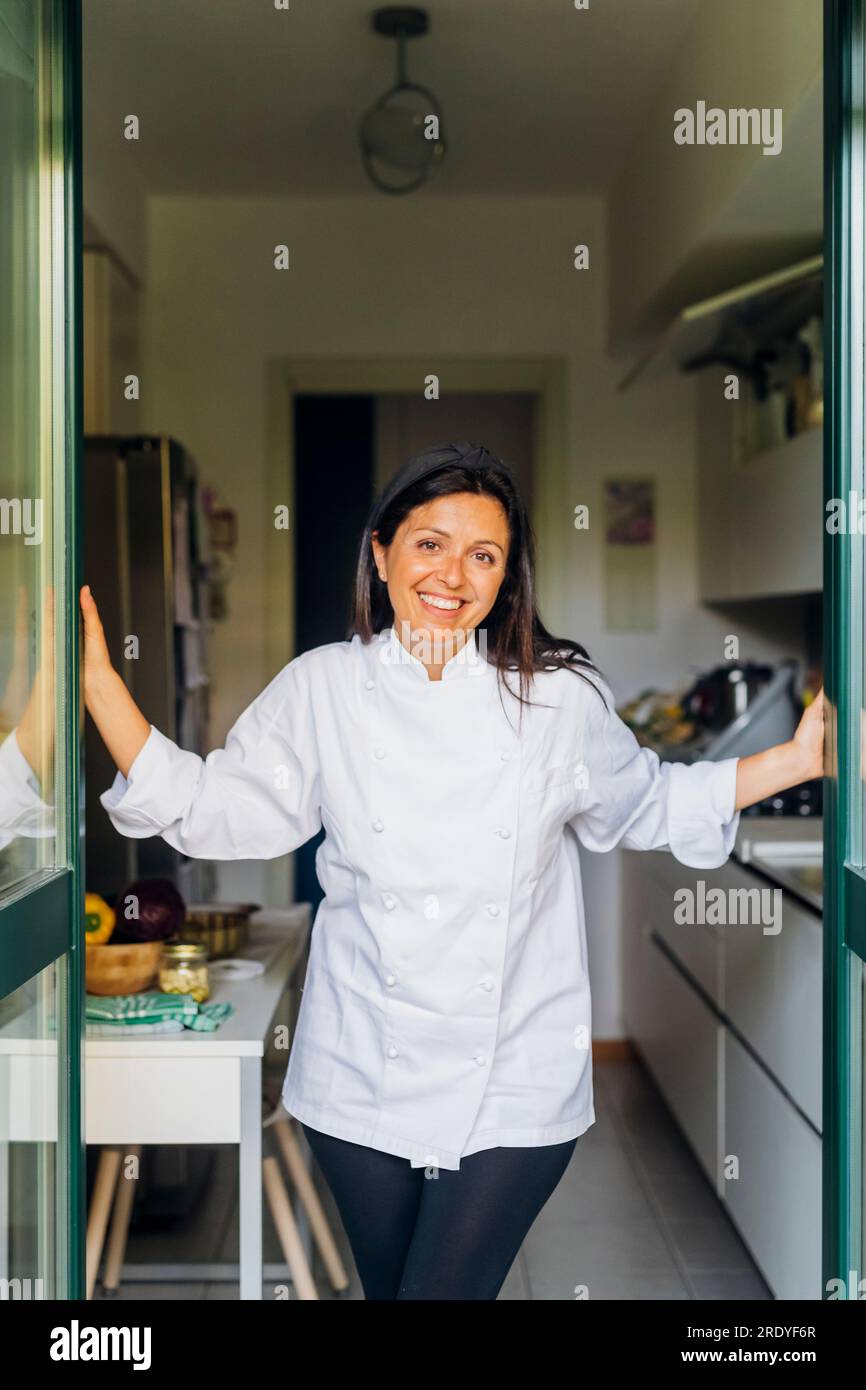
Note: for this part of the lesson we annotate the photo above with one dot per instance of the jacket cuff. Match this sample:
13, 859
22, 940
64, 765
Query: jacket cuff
157, 790
702, 821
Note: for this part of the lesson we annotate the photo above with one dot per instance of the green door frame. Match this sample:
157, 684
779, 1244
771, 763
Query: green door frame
845, 885
74, 1196
42, 923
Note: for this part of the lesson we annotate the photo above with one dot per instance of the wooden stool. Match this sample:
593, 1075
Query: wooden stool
113, 1195
281, 1210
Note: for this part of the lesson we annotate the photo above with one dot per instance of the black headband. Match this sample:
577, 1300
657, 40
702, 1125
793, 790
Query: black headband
463, 455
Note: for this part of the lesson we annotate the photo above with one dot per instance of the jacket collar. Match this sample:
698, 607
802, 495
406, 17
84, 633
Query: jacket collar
467, 662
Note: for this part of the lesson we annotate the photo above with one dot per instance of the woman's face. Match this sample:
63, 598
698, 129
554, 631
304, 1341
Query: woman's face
446, 563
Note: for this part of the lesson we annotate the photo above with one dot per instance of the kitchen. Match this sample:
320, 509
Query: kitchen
296, 336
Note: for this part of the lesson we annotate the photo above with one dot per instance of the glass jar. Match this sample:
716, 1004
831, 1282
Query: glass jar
183, 970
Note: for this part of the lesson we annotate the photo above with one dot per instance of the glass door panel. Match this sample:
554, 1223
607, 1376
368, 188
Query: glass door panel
31, 834
41, 1151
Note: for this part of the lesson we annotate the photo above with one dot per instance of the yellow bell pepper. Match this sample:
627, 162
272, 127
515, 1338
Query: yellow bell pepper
99, 919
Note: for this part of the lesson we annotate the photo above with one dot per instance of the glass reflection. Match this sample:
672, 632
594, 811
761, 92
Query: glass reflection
28, 427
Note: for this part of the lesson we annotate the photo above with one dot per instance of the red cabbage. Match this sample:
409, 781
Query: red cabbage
161, 911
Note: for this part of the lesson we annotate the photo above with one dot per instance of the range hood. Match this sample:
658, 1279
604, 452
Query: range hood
738, 327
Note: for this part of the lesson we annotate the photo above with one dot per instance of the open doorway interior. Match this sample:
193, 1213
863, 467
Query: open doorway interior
581, 280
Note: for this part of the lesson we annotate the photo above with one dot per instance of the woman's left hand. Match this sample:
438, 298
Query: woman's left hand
801, 759
809, 737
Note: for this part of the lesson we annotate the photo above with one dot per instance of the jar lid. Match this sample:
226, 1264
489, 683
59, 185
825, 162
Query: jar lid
177, 949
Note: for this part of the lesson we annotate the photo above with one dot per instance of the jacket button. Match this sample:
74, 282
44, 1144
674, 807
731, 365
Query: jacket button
389, 900
369, 685
480, 1058
378, 826
392, 1051
503, 833
487, 983
379, 752
505, 755
432, 1160
390, 979
492, 910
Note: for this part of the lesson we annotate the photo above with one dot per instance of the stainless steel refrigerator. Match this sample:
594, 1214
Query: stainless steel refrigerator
147, 562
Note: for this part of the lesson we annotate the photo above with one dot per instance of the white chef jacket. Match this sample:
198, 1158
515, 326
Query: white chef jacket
446, 1006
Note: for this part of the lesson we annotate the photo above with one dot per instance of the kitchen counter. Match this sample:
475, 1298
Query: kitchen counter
788, 850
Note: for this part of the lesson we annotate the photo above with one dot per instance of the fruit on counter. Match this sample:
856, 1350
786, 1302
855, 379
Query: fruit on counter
149, 909
656, 716
99, 919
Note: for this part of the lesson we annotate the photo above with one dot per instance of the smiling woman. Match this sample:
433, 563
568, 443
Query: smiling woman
447, 553
445, 1022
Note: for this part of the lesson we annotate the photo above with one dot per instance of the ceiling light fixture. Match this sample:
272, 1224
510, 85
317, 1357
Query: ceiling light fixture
401, 134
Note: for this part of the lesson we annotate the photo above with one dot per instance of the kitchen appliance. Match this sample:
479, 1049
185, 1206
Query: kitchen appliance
723, 694
146, 556
741, 709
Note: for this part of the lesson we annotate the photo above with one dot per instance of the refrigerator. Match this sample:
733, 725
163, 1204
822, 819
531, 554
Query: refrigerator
148, 564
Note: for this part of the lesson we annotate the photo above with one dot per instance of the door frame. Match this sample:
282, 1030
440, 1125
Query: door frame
844, 883
41, 921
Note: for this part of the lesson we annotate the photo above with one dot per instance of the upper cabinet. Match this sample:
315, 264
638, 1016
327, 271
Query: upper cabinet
759, 517
757, 354
760, 438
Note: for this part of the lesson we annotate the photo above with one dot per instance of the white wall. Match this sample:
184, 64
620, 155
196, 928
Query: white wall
386, 277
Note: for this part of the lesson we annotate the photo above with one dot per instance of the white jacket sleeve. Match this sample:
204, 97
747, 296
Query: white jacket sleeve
23, 813
635, 800
256, 798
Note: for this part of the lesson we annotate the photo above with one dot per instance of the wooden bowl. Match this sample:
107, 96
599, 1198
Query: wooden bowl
121, 969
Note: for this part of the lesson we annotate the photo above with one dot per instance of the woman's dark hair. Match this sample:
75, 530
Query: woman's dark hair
517, 640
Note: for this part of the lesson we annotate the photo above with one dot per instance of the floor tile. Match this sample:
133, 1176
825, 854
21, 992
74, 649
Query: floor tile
709, 1246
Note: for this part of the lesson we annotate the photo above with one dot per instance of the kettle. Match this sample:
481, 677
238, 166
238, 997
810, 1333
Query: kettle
720, 696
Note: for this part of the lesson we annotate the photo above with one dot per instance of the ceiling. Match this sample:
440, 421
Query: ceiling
235, 97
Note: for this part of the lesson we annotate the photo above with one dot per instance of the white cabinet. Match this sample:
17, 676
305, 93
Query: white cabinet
776, 1200
760, 521
777, 539
773, 995
682, 1045
697, 945
728, 1020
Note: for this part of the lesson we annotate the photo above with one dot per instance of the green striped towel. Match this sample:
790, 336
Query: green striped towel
151, 1007
132, 1030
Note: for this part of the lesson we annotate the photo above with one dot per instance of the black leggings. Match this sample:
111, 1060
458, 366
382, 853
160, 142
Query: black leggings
421, 1233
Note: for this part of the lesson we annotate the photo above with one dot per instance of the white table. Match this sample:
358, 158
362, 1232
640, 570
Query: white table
170, 1088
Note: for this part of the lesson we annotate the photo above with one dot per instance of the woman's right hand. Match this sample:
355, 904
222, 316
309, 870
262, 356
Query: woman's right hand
97, 659
123, 727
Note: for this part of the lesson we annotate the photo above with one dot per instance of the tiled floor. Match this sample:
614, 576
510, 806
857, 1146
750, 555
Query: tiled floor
633, 1218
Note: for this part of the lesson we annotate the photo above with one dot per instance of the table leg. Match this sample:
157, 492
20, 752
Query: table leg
250, 1178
